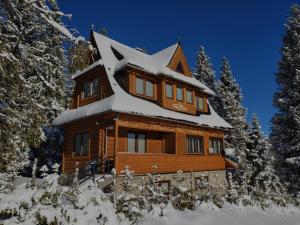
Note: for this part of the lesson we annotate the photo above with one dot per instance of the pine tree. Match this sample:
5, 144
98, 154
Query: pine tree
32, 75
285, 134
263, 184
234, 113
204, 73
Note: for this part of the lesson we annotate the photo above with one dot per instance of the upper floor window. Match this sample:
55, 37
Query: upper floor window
81, 144
91, 88
189, 97
144, 87
169, 91
179, 93
136, 142
215, 145
194, 144
200, 103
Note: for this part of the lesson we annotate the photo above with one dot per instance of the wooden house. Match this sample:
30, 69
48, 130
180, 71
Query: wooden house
138, 109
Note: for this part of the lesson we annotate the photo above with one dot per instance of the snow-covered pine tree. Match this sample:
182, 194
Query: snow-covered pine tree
263, 184
32, 74
285, 134
204, 73
232, 110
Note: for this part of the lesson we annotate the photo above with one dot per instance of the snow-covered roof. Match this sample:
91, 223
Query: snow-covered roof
155, 64
123, 102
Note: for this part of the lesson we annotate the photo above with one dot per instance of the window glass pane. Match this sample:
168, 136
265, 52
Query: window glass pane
142, 143
179, 94
77, 140
86, 89
189, 97
169, 91
215, 145
131, 142
194, 144
149, 88
85, 144
95, 86
200, 103
139, 86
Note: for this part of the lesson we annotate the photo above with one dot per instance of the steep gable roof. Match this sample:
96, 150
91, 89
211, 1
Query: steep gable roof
156, 64
123, 102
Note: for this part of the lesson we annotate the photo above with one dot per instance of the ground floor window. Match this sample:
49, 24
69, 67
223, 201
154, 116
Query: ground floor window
136, 142
201, 182
215, 145
81, 144
194, 144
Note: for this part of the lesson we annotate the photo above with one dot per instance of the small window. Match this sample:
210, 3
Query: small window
139, 86
91, 88
136, 142
149, 88
179, 68
194, 144
81, 144
200, 103
169, 91
189, 97
215, 145
117, 54
179, 93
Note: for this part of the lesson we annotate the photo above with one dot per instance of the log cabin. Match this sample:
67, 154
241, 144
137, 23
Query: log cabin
130, 108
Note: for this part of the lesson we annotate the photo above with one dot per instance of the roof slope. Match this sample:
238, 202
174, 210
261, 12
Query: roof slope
121, 101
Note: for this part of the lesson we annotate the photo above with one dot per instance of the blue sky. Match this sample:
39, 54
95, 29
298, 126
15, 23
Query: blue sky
248, 33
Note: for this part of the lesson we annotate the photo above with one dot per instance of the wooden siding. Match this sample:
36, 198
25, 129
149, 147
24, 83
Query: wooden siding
104, 88
163, 137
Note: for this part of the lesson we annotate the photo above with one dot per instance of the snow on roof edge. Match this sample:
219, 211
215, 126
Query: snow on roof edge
93, 65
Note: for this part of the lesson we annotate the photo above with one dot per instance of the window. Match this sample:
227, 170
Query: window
200, 103
117, 54
139, 86
144, 87
169, 91
149, 88
194, 144
81, 144
189, 97
91, 88
179, 68
215, 145
179, 93
136, 142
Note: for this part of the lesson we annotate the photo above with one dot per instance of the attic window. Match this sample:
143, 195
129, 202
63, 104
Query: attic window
117, 54
179, 68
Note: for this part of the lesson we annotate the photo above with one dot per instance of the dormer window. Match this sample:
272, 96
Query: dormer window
144, 87
189, 97
117, 54
91, 88
200, 103
179, 93
169, 91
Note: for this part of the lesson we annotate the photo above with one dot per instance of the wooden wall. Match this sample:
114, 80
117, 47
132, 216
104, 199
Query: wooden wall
104, 88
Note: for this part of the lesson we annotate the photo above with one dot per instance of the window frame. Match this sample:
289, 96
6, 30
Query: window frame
74, 152
182, 93
221, 145
197, 105
201, 143
92, 93
186, 96
144, 94
136, 134
172, 88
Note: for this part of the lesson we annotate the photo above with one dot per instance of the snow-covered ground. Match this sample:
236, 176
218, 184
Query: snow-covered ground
207, 214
